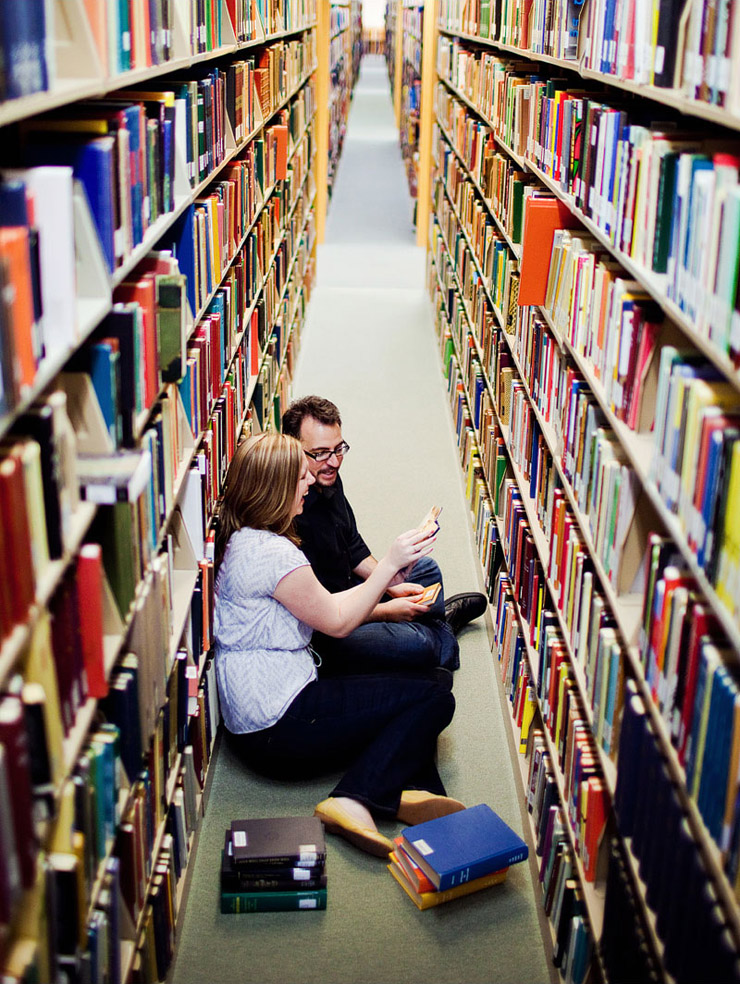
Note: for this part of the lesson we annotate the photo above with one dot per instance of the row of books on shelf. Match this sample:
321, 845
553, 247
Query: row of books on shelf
116, 38
588, 299
273, 864
40, 706
682, 645
562, 894
204, 240
678, 887
682, 45
662, 197
691, 680
690, 46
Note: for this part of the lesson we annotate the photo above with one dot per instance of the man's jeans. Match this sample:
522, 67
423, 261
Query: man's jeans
376, 647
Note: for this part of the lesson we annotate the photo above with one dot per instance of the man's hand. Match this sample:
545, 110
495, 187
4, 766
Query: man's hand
399, 609
404, 590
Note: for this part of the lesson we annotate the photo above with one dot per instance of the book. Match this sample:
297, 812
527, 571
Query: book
295, 901
463, 846
427, 900
14, 741
276, 878
296, 841
23, 46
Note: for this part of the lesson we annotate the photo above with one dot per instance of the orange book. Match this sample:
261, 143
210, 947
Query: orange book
15, 254
97, 15
281, 141
418, 878
542, 216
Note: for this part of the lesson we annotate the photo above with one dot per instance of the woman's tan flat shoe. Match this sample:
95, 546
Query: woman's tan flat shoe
417, 805
338, 821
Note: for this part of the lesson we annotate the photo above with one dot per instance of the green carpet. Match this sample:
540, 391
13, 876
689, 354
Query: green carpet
369, 345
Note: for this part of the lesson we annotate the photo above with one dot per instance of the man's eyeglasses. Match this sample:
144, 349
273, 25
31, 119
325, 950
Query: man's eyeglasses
340, 450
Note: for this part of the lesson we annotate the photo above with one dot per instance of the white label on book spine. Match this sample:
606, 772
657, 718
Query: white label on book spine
239, 838
422, 847
307, 903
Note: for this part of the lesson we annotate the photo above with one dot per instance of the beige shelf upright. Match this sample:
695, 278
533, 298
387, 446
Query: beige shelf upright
323, 44
426, 121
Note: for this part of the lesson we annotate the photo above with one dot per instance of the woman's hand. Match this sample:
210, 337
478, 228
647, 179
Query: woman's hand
410, 547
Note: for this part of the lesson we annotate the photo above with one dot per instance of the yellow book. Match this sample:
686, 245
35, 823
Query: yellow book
728, 575
427, 900
40, 688
530, 706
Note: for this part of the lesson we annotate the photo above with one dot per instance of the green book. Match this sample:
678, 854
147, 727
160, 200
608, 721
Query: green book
291, 901
171, 329
664, 217
117, 532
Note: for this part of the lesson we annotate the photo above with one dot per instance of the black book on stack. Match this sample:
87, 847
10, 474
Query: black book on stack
273, 864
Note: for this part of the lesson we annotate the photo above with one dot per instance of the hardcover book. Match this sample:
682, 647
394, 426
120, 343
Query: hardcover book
427, 900
273, 901
295, 841
463, 846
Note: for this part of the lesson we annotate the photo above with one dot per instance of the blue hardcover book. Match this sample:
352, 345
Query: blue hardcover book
463, 846
23, 42
713, 779
104, 360
92, 162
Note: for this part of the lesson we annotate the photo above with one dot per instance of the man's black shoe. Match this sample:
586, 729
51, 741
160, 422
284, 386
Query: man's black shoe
463, 608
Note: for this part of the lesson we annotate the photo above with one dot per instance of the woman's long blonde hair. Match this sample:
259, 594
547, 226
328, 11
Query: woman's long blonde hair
260, 488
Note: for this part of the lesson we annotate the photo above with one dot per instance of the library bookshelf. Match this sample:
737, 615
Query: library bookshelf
583, 267
157, 251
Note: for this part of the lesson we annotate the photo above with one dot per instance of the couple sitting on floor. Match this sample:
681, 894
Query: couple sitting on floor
325, 658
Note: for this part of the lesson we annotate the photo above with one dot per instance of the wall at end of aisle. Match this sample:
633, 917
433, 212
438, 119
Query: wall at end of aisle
373, 13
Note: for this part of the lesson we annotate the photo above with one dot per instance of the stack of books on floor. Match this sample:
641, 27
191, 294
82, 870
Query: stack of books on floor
274, 864
440, 860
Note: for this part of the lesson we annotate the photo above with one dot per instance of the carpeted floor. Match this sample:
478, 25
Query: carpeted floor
369, 345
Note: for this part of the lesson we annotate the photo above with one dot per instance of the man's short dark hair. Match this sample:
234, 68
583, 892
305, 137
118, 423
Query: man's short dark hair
322, 410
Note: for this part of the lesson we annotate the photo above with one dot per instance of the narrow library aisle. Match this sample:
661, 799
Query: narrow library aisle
369, 345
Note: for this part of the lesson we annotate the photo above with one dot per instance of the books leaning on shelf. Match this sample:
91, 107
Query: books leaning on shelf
273, 865
463, 846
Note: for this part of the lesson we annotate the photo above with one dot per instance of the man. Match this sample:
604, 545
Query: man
400, 633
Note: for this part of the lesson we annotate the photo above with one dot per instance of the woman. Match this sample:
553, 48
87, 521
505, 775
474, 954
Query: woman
285, 721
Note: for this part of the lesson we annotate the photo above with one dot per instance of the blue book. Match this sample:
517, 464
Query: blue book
92, 162
104, 359
463, 846
23, 43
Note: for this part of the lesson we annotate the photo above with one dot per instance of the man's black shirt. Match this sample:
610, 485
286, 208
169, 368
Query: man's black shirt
329, 536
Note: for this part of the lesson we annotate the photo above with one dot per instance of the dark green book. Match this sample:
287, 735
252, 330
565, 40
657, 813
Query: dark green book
664, 217
171, 326
292, 901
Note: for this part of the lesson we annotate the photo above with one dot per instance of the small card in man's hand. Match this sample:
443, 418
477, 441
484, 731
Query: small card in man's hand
429, 595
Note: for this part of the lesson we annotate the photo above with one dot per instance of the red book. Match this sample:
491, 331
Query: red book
144, 293
17, 557
542, 216
90, 607
702, 624
67, 650
18, 764
597, 809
